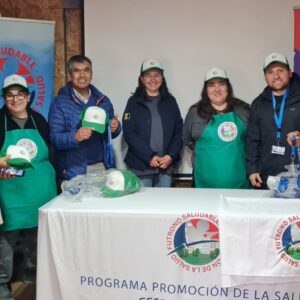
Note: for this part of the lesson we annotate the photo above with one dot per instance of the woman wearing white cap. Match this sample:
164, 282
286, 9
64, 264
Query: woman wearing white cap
20, 197
152, 127
215, 129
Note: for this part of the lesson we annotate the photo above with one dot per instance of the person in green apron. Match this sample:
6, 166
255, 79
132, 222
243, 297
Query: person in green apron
21, 197
215, 130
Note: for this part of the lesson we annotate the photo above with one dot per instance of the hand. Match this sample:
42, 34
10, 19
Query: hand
114, 124
3, 161
83, 133
297, 135
255, 180
4, 175
165, 162
155, 161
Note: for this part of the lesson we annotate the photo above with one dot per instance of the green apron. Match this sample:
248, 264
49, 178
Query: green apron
220, 154
21, 197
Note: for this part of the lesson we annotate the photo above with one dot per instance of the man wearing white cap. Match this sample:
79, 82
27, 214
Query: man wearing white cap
80, 149
274, 113
24, 137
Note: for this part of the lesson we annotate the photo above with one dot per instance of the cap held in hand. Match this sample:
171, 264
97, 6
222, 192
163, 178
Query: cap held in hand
95, 117
19, 157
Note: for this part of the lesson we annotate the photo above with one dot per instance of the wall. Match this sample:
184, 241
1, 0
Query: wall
189, 37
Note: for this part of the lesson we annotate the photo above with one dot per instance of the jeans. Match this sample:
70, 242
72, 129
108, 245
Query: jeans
157, 180
8, 241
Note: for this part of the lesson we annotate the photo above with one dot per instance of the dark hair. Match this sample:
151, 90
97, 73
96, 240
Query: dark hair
287, 66
77, 59
206, 111
22, 89
140, 91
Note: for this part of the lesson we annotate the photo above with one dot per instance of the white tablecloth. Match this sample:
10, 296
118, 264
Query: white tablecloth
158, 244
255, 236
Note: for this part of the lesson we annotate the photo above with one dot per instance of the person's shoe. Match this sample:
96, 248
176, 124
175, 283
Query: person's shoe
5, 292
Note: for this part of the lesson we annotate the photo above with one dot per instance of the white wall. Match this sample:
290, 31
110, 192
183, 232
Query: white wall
188, 37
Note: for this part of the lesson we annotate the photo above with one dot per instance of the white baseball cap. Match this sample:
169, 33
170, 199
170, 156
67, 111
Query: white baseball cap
95, 117
215, 73
120, 183
149, 64
115, 181
14, 79
275, 58
19, 157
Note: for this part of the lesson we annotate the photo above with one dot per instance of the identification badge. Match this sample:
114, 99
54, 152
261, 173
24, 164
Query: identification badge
278, 150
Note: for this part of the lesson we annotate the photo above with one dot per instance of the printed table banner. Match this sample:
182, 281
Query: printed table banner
264, 233
157, 244
27, 49
297, 40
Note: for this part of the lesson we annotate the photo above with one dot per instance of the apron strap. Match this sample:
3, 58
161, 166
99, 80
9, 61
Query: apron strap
32, 119
5, 124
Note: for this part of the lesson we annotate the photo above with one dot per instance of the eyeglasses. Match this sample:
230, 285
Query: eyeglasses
19, 96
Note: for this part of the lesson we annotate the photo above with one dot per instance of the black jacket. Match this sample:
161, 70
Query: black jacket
262, 130
137, 131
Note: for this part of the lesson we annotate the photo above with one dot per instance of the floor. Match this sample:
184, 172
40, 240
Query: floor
23, 291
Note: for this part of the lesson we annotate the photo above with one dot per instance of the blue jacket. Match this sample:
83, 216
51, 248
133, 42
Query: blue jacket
64, 121
137, 131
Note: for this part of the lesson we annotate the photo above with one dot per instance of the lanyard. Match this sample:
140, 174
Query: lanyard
278, 119
293, 150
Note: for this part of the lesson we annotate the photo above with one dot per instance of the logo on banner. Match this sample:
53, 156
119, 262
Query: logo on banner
15, 61
227, 131
287, 241
193, 242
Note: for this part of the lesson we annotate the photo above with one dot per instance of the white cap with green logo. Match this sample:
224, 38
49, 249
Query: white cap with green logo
95, 117
12, 80
19, 157
215, 73
120, 183
275, 58
150, 64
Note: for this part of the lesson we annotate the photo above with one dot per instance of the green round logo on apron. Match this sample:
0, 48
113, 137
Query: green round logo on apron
29, 145
227, 131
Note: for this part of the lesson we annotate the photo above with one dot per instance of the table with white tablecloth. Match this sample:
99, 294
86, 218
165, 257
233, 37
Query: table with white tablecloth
160, 244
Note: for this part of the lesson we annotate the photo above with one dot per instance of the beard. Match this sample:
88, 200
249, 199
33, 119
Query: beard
280, 90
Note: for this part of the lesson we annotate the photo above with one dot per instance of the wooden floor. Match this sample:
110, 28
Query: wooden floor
23, 291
